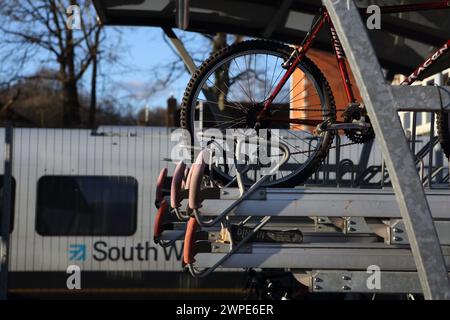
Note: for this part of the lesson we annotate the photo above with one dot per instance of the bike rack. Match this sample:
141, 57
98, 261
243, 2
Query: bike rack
195, 204
382, 102
334, 241
197, 175
159, 228
345, 230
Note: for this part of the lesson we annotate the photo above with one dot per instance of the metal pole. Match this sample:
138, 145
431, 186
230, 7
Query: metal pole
380, 102
182, 14
6, 214
190, 65
181, 50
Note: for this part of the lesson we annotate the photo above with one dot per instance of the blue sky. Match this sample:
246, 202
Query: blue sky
144, 49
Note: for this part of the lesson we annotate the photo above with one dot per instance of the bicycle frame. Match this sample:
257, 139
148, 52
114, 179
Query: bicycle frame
324, 18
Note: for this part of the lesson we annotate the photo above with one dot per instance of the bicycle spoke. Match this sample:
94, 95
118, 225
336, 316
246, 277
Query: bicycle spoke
265, 77
240, 72
308, 96
271, 80
293, 87
243, 108
226, 122
254, 82
302, 99
248, 78
273, 85
226, 105
240, 83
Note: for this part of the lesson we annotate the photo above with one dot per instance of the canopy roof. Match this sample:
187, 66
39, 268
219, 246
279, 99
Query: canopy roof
404, 41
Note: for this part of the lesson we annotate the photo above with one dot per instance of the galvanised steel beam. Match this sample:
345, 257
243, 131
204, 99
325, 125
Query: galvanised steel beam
181, 50
421, 98
327, 202
325, 255
356, 281
380, 103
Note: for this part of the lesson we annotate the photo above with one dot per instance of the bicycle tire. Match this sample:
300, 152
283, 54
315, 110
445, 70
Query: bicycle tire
186, 120
443, 129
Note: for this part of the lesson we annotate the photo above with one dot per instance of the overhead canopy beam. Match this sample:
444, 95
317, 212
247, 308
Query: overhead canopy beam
414, 31
269, 19
279, 17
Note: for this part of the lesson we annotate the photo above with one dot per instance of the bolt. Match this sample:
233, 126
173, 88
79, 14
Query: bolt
346, 288
321, 220
224, 192
397, 239
346, 278
351, 222
317, 287
397, 230
351, 229
317, 279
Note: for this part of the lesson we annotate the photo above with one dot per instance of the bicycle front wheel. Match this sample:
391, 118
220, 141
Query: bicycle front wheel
230, 88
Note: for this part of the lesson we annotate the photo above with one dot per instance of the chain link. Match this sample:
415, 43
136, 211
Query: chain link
334, 147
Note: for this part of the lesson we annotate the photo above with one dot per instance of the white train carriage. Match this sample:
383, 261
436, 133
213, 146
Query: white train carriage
86, 198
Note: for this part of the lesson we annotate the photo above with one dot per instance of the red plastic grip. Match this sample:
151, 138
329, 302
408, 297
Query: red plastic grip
197, 171
159, 184
189, 241
188, 179
175, 188
157, 228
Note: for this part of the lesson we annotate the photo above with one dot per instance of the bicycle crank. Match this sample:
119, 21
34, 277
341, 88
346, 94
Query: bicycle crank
327, 125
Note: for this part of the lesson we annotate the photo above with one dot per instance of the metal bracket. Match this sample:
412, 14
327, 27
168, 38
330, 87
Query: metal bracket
345, 281
234, 193
356, 225
398, 233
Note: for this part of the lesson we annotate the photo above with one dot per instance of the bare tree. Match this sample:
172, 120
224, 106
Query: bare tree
223, 80
37, 30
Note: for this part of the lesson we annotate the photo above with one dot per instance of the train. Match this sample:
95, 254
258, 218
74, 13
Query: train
86, 198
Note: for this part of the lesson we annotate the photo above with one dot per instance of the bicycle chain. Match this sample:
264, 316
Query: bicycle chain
334, 147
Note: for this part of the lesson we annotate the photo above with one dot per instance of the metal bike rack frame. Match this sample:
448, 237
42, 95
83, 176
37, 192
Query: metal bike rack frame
382, 102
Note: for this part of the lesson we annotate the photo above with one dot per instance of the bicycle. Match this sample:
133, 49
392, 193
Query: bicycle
219, 96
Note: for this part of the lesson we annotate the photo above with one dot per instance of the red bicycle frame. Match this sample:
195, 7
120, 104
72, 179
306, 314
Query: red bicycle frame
296, 57
432, 59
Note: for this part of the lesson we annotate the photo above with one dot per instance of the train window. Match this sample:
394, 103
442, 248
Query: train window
13, 196
86, 206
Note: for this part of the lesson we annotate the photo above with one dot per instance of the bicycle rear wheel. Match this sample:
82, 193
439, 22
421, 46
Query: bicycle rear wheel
443, 128
228, 91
